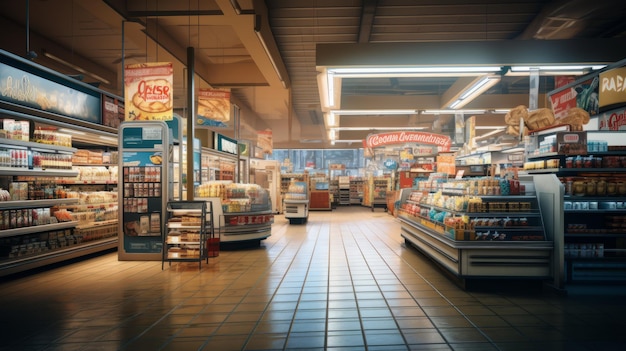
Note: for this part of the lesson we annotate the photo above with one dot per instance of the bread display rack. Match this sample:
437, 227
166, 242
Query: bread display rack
187, 232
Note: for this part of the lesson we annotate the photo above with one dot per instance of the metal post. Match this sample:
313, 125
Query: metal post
190, 121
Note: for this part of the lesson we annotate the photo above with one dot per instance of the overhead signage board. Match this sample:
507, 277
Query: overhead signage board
225, 144
613, 88
442, 142
26, 85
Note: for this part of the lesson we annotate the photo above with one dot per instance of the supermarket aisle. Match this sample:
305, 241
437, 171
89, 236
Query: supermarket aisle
343, 281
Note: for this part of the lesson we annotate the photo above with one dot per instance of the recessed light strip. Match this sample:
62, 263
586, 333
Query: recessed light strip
376, 128
374, 112
377, 71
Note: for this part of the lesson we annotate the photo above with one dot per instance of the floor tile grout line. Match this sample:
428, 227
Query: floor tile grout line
357, 241
487, 337
199, 312
356, 300
273, 295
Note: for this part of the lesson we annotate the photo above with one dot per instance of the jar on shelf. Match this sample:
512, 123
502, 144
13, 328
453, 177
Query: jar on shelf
601, 187
611, 188
569, 185
590, 187
621, 188
578, 187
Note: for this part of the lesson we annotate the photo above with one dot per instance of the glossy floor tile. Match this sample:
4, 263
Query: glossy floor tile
343, 281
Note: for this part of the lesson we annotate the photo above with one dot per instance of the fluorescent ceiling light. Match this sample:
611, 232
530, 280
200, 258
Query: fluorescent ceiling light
330, 79
489, 127
451, 112
554, 70
331, 119
378, 128
475, 90
322, 85
374, 112
332, 135
425, 71
348, 141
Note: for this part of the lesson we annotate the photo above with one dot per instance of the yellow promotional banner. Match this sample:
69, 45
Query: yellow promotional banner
264, 141
148, 92
213, 108
612, 88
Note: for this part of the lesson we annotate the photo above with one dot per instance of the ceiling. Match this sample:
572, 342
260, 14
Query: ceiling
274, 80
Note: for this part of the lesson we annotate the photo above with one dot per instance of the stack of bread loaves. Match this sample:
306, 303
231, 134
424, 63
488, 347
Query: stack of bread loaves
543, 118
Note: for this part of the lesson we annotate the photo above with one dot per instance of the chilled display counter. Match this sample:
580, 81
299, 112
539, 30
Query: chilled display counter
296, 203
244, 213
479, 228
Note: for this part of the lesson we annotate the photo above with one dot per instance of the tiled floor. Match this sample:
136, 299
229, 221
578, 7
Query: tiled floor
343, 281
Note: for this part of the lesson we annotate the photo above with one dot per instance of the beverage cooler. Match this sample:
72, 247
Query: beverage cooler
145, 182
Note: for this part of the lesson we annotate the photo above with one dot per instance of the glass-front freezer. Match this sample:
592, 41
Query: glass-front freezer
145, 175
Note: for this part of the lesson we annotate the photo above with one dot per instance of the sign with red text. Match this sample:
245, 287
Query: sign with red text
613, 120
148, 92
583, 95
442, 142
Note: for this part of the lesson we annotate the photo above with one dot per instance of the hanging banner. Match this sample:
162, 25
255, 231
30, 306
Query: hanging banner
265, 141
213, 108
613, 88
148, 91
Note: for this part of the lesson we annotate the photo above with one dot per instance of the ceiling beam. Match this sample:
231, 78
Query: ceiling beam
501, 52
368, 9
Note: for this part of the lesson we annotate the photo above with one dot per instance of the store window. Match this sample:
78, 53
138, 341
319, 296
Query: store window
300, 160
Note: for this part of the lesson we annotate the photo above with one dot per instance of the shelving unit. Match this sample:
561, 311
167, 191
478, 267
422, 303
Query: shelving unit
32, 244
356, 191
187, 232
344, 190
380, 186
594, 217
27, 244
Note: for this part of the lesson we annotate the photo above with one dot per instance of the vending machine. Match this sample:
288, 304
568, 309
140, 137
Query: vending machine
145, 183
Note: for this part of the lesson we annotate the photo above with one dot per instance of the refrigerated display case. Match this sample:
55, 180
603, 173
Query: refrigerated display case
246, 211
296, 202
145, 181
478, 235
215, 165
266, 173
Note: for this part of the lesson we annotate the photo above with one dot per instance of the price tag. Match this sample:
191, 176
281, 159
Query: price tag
459, 174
